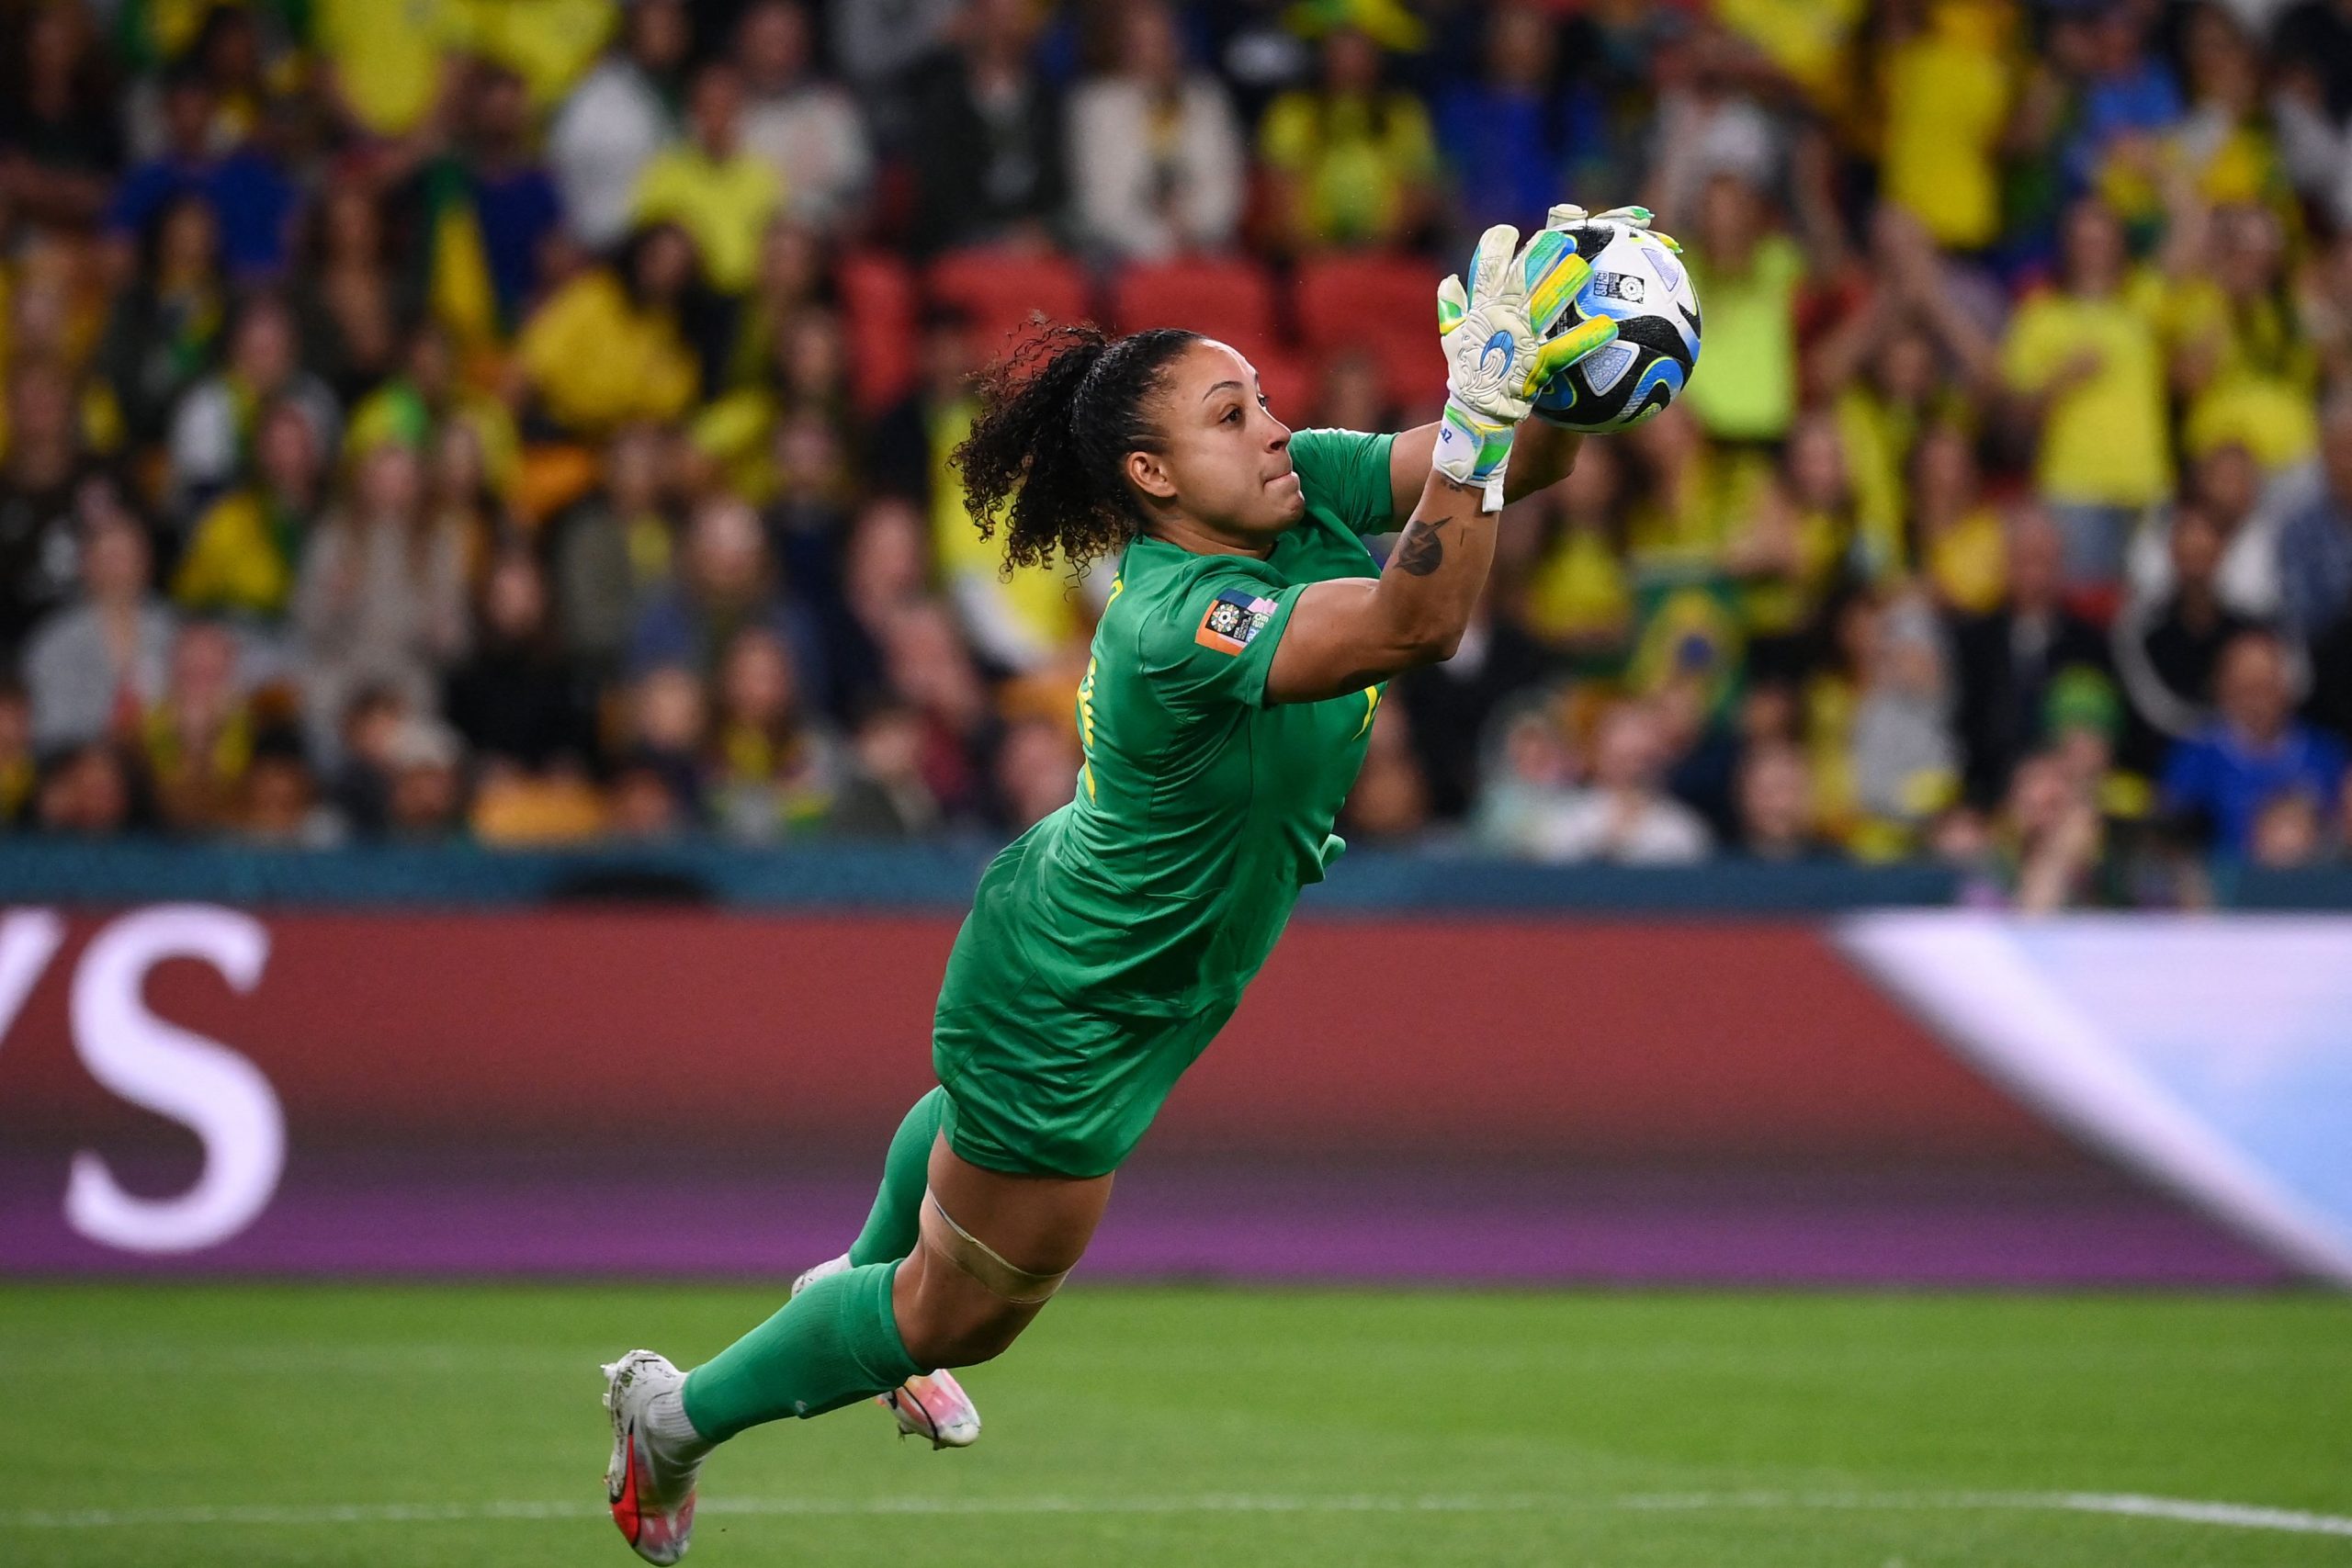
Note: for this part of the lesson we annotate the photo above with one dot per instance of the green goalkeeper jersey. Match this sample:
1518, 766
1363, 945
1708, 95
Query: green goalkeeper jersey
1201, 809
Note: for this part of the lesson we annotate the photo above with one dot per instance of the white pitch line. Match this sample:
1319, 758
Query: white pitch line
2234, 1516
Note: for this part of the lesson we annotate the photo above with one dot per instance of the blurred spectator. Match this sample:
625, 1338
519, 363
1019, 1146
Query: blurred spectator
1036, 771
244, 549
616, 119
281, 806
668, 720
2166, 649
50, 483
1352, 159
985, 136
1528, 775
2056, 835
87, 790
1449, 705
348, 302
487, 212
1905, 761
2249, 375
613, 552
884, 570
2086, 365
2219, 782
810, 132
2006, 659
712, 186
1156, 153
61, 143
426, 400
777, 769
213, 428
1390, 802
1509, 137
381, 598
2314, 544
1625, 816
925, 662
165, 326
610, 346
515, 700
94, 667
427, 798
2225, 487
1961, 541
1947, 76
251, 199
1775, 796
1746, 276
725, 584
2130, 100
198, 739
884, 796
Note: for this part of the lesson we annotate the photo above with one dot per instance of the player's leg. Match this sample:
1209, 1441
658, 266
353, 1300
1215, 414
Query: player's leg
992, 1250
931, 1405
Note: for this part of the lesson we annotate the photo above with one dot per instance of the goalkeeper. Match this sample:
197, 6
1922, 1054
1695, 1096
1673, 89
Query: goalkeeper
1224, 709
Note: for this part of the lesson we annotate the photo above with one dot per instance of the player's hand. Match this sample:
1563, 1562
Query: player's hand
1490, 350
1500, 349
1568, 215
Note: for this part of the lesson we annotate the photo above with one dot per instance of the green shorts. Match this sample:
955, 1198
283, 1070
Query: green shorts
1037, 1087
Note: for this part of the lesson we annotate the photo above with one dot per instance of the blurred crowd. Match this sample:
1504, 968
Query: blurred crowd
526, 419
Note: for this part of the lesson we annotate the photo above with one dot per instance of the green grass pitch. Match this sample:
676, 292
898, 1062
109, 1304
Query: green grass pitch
405, 1427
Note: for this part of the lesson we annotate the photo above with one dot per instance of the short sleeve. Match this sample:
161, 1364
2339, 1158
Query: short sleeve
1209, 640
1345, 472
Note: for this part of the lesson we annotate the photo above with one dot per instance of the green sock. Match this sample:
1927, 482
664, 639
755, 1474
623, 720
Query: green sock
890, 1230
833, 1344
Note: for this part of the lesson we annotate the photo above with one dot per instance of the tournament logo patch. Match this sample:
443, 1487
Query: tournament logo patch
1232, 618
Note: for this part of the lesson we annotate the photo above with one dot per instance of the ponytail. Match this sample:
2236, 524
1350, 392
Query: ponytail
1057, 418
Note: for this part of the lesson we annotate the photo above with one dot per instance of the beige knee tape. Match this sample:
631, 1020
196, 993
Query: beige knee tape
981, 1261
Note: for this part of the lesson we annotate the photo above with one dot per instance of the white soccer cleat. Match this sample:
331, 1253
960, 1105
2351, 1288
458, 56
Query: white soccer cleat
934, 1405
930, 1405
651, 1479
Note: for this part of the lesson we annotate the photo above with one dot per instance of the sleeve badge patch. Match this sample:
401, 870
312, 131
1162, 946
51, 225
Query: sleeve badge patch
1233, 618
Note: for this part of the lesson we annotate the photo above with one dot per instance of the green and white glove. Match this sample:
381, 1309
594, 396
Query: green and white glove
1568, 215
1498, 354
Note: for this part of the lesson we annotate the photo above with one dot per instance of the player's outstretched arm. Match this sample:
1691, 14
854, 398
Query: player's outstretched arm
1343, 636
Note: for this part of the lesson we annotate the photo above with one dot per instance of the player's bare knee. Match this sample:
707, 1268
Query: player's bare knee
963, 1334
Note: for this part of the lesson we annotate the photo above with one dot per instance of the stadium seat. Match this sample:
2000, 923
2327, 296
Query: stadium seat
1229, 298
1000, 288
1289, 382
878, 290
1387, 304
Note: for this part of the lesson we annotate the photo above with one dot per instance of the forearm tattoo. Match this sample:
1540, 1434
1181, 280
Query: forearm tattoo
1420, 551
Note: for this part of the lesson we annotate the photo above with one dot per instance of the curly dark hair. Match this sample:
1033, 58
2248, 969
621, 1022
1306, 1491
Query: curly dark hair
1059, 416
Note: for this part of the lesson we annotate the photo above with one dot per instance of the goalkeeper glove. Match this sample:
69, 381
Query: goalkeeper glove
1498, 356
1568, 215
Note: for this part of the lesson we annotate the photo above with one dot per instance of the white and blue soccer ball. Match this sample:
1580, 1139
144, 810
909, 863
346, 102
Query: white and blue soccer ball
1640, 283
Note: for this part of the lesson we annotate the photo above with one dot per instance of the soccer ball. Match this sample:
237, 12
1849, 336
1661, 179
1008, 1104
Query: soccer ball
1645, 287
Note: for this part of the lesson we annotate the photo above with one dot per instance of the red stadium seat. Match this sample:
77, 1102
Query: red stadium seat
999, 288
1387, 304
877, 291
1229, 298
